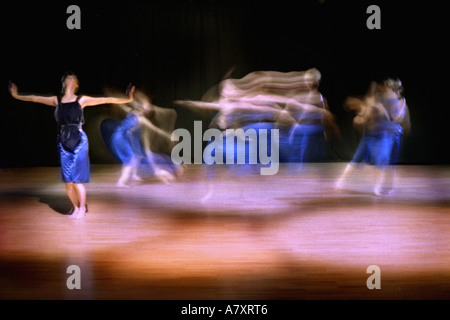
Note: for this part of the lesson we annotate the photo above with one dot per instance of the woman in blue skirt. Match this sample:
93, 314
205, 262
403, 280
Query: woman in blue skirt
72, 142
383, 118
132, 139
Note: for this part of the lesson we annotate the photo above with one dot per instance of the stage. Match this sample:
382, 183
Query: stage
227, 236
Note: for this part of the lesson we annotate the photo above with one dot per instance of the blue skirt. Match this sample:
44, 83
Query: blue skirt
246, 151
307, 143
126, 147
75, 166
380, 147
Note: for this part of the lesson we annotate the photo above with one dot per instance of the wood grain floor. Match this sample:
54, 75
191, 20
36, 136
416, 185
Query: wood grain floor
287, 236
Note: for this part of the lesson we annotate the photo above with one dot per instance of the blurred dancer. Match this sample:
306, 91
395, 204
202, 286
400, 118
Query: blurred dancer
289, 101
131, 140
235, 109
383, 117
313, 120
305, 121
71, 140
265, 100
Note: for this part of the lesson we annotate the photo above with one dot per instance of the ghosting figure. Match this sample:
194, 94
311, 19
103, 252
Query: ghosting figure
134, 140
382, 116
288, 103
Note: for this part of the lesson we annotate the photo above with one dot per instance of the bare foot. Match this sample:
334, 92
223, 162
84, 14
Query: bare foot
75, 213
165, 176
81, 213
120, 184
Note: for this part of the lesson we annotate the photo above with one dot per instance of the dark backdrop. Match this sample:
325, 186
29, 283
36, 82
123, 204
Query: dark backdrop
179, 49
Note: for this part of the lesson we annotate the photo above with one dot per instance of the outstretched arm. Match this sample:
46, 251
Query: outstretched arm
49, 101
146, 123
198, 104
86, 101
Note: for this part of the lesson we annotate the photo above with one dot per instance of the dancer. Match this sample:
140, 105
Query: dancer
290, 102
268, 99
265, 100
132, 139
314, 123
72, 142
383, 117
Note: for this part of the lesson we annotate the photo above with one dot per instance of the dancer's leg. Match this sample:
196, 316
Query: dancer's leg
80, 192
134, 174
384, 180
379, 180
389, 179
348, 169
70, 190
125, 176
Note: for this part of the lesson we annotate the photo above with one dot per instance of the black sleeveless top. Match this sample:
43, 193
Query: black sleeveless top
69, 113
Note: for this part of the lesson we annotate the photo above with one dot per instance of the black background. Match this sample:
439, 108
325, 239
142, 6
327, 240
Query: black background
179, 49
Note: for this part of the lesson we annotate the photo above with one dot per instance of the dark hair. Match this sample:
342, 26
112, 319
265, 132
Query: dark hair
395, 84
63, 78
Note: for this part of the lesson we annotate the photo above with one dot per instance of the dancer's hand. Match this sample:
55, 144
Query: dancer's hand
130, 92
13, 90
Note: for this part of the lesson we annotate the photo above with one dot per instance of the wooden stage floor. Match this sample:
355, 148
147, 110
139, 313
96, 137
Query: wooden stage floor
282, 237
